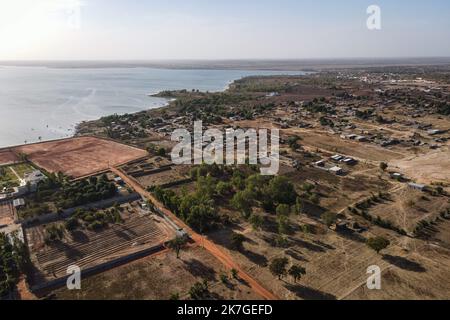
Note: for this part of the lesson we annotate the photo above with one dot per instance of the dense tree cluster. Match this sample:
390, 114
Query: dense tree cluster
279, 267
444, 109
242, 188
13, 261
86, 191
366, 114
320, 106
94, 219
66, 194
197, 208
53, 233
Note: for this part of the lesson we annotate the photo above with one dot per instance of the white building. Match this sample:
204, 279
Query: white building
32, 178
336, 170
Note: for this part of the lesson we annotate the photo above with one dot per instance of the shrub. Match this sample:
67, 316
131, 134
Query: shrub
72, 224
278, 267
237, 240
329, 218
283, 210
378, 243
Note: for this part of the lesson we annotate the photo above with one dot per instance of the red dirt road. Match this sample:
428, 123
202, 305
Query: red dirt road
23, 291
222, 256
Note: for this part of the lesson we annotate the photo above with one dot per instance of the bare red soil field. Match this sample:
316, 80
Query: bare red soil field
78, 157
7, 157
6, 213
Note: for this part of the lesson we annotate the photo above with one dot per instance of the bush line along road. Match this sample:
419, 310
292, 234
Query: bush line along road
224, 258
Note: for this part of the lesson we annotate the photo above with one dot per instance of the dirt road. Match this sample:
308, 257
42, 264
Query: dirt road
222, 256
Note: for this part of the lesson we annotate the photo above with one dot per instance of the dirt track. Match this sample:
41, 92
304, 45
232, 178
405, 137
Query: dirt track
223, 257
79, 157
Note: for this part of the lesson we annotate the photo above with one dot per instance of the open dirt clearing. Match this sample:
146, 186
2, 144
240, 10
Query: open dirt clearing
79, 157
86, 248
408, 207
428, 168
422, 274
160, 276
335, 144
336, 264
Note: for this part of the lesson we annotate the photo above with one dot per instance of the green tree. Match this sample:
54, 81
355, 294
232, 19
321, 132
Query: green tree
257, 221
200, 217
329, 218
278, 267
282, 190
293, 142
223, 189
283, 210
383, 166
299, 207
243, 201
296, 272
378, 243
199, 290
177, 244
13, 261
206, 186
308, 187
71, 224
161, 152
283, 225
238, 182
223, 278
175, 296
237, 241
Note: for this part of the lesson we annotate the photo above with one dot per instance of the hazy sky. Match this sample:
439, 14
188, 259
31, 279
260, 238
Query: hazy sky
220, 29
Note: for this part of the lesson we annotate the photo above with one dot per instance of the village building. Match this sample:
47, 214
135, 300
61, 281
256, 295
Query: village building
337, 157
417, 186
336, 170
17, 203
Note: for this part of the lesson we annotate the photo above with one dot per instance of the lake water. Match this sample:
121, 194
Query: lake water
49, 102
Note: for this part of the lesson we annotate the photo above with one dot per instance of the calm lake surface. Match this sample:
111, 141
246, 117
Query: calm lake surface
49, 102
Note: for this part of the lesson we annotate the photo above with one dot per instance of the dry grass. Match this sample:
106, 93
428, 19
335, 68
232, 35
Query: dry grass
159, 277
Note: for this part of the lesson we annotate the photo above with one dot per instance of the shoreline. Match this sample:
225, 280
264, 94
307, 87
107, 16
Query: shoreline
313, 64
76, 126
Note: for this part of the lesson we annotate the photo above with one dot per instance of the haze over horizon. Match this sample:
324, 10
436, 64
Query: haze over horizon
232, 30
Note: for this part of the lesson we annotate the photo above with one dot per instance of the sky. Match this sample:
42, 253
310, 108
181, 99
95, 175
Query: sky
220, 29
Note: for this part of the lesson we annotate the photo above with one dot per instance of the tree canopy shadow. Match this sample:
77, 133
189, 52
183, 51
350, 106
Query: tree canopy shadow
308, 245
404, 263
71, 252
79, 237
353, 236
256, 258
308, 293
325, 245
312, 210
199, 269
295, 255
